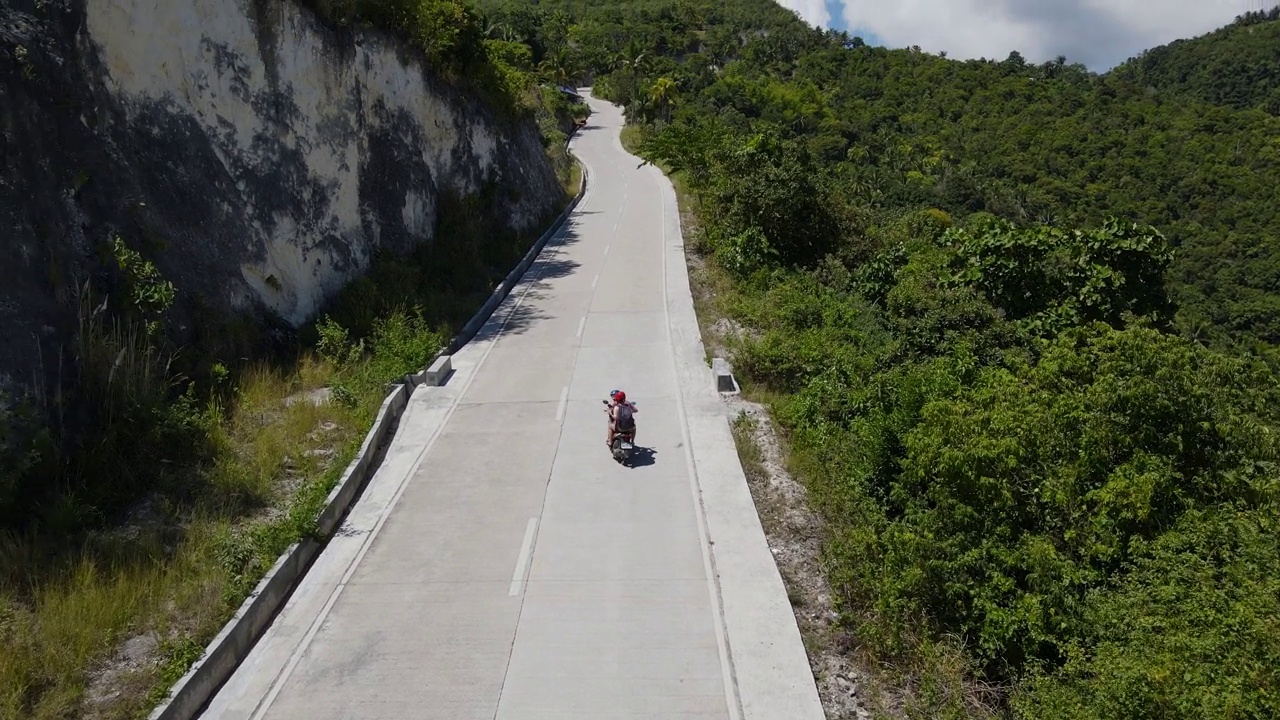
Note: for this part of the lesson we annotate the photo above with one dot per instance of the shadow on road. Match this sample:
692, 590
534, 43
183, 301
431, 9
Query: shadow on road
641, 457
552, 263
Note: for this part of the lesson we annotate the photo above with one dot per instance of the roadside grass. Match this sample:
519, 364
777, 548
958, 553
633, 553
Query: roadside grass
631, 136
166, 582
749, 452
574, 179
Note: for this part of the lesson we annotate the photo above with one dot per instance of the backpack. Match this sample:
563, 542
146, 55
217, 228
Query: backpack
625, 418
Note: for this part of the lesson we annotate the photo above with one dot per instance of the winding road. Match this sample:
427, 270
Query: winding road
500, 564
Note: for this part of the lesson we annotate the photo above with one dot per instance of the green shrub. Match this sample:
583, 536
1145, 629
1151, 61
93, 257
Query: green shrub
1051, 278
334, 342
146, 295
402, 344
1192, 631
745, 252
449, 33
511, 62
1035, 486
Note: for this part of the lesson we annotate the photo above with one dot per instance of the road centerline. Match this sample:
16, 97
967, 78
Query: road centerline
564, 402
522, 560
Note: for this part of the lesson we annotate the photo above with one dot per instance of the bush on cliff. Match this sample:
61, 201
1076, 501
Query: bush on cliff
451, 35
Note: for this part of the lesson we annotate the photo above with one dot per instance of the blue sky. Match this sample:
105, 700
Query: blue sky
1097, 33
836, 10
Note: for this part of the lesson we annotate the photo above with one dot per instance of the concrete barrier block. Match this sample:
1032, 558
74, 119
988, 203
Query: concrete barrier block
725, 382
438, 373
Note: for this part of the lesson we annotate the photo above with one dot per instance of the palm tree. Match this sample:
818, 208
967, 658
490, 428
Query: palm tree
627, 65
501, 31
1021, 202
559, 68
1200, 335
634, 57
661, 94
859, 186
858, 153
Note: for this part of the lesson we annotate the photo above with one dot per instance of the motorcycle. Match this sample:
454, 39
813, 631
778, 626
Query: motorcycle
623, 440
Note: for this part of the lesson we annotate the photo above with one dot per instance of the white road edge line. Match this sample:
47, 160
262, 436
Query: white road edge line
732, 699
527, 281
582, 324
564, 403
522, 561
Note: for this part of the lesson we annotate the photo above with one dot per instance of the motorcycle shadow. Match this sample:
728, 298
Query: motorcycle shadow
641, 457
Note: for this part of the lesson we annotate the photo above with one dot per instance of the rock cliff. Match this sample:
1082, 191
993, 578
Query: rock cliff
256, 155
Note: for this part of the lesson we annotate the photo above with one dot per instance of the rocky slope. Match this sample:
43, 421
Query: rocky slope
256, 155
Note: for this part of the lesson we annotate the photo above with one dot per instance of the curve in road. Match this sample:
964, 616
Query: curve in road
501, 565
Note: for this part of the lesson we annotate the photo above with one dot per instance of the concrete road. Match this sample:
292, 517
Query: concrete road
500, 564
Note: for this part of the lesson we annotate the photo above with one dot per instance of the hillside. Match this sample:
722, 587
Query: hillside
1048, 142
1236, 66
1016, 324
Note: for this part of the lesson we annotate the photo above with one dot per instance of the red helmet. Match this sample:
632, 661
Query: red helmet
618, 396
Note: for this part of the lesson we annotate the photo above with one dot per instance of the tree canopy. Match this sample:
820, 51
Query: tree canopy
1237, 66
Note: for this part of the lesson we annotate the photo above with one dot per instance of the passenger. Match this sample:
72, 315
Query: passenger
621, 417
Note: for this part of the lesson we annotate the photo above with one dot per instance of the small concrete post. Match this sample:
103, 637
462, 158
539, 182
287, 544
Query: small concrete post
725, 382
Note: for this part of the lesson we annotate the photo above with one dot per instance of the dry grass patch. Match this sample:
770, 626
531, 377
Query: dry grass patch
105, 627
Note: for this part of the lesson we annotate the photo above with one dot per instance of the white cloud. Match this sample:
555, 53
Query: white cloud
1098, 33
813, 11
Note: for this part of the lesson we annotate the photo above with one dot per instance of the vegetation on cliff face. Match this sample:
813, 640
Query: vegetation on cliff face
1018, 322
143, 501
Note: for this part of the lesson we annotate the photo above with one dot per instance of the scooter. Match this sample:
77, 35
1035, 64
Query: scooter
623, 441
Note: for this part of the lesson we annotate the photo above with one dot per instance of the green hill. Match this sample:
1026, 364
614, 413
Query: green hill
1237, 66
1017, 322
1049, 142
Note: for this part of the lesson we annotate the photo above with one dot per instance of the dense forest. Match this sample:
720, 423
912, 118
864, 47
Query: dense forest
1018, 323
1237, 66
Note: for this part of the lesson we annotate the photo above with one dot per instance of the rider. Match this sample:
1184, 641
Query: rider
621, 416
